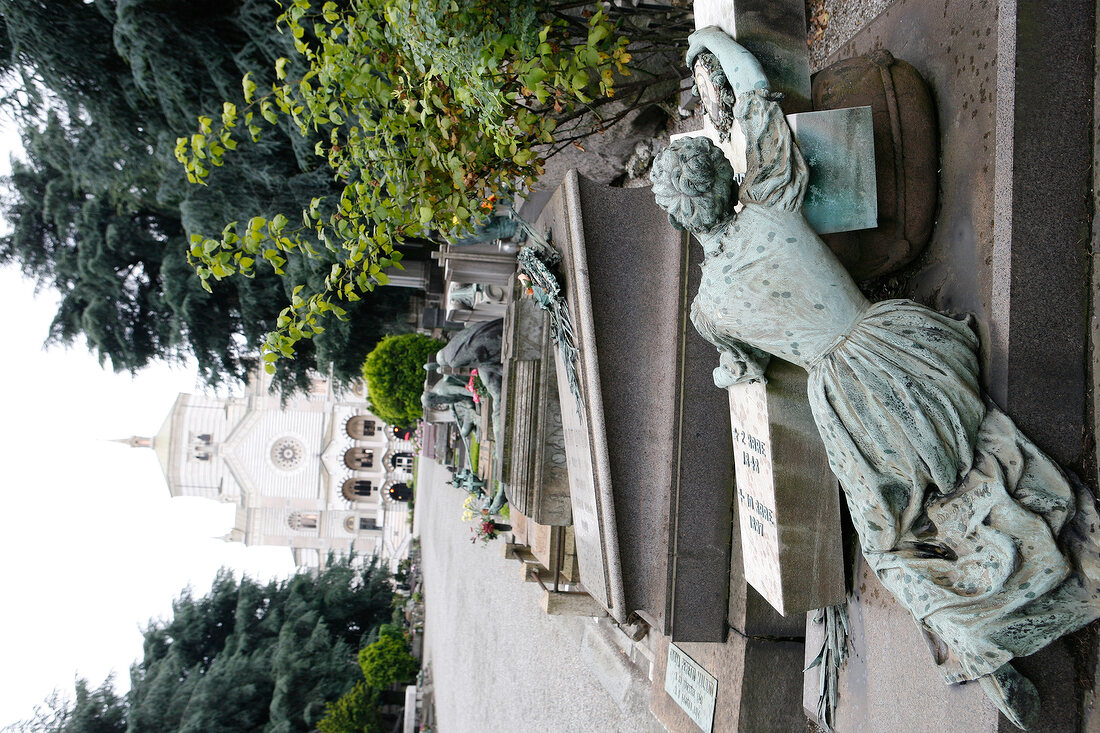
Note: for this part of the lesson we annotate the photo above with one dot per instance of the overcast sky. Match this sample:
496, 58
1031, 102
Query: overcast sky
93, 547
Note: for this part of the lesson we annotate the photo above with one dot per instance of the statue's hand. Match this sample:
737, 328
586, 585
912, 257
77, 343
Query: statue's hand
739, 367
743, 71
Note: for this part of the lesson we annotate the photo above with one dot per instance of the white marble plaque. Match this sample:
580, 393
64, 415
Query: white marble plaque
788, 501
692, 687
755, 493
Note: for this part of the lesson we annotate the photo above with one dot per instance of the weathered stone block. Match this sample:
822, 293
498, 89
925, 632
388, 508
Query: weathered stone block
565, 603
890, 681
533, 455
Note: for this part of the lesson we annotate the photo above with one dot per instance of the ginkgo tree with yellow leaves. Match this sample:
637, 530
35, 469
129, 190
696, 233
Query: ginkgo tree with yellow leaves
428, 112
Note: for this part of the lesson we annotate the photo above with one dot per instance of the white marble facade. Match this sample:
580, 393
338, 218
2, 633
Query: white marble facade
313, 475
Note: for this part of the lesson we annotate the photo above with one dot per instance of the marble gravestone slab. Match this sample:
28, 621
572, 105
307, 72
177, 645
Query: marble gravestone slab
533, 460
590, 497
788, 501
649, 454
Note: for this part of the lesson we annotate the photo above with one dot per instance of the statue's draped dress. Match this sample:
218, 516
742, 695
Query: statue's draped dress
982, 536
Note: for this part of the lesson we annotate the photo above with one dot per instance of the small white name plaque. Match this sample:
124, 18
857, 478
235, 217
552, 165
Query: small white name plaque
691, 686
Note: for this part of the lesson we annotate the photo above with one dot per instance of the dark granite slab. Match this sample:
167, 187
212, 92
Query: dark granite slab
654, 440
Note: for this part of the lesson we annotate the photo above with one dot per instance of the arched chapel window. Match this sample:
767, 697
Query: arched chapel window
352, 524
402, 461
356, 489
360, 427
357, 458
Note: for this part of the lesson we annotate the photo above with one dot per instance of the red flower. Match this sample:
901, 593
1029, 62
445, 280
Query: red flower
471, 387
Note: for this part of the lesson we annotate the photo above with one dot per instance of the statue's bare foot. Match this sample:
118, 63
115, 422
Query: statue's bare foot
1014, 695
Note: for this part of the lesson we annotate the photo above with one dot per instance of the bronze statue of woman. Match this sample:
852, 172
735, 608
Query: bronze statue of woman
986, 541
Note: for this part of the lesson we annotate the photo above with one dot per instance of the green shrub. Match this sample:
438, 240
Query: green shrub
395, 375
427, 111
356, 712
387, 661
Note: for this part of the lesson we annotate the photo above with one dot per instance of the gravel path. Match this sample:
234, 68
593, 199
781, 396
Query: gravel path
498, 662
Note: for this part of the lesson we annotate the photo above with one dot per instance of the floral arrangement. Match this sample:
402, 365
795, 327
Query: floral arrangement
537, 261
485, 530
468, 512
485, 526
527, 287
477, 388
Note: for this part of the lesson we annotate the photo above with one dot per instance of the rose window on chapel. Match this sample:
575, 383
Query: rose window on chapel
287, 453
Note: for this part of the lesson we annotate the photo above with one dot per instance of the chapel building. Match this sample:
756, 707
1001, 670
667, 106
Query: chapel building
315, 474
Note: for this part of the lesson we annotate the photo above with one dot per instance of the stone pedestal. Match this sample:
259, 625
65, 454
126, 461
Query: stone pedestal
788, 500
759, 667
650, 459
759, 678
490, 263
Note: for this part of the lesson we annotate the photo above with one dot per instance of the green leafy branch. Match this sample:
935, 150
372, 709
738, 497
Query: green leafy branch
428, 112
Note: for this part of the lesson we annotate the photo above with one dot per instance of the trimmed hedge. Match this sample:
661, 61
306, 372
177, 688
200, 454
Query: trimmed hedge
395, 375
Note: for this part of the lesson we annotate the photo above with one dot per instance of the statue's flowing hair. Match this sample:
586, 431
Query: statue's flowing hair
693, 182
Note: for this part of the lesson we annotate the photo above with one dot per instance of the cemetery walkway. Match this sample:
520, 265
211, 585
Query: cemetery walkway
498, 662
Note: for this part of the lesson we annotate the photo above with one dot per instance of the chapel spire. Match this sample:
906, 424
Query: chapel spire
135, 441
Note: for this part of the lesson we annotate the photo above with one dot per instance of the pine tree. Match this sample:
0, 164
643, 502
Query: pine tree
102, 213
244, 657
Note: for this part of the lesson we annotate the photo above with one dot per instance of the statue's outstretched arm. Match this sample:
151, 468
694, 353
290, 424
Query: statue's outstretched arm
742, 69
776, 174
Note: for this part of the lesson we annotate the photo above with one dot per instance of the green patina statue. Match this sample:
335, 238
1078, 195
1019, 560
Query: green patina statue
450, 393
468, 481
986, 541
471, 483
475, 347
